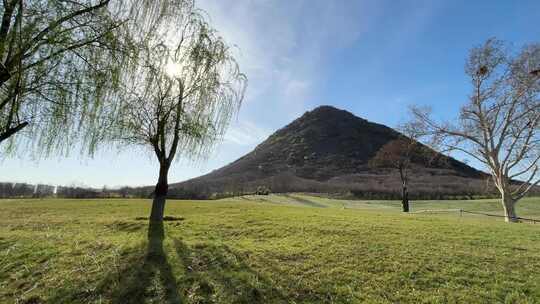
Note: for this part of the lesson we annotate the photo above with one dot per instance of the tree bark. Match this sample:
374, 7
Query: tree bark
160, 194
405, 199
509, 208
11, 131
404, 190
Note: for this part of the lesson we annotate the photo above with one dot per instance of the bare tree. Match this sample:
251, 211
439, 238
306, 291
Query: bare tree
401, 154
180, 98
500, 124
397, 154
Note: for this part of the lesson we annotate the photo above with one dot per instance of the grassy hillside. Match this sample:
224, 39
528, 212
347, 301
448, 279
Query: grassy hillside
275, 249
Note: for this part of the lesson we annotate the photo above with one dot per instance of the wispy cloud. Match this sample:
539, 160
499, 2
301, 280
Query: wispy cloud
281, 47
246, 133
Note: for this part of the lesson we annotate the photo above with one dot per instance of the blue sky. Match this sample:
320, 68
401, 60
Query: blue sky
372, 58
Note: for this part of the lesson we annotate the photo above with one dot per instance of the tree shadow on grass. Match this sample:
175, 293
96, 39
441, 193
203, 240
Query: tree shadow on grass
144, 274
208, 273
153, 278
304, 201
217, 274
202, 273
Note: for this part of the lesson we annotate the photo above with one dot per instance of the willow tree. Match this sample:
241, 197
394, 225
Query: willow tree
499, 126
59, 60
180, 97
56, 59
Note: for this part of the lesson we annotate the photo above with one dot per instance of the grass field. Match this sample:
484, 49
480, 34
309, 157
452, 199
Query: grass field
276, 249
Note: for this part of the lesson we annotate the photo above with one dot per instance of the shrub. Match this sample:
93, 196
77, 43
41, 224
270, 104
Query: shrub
262, 190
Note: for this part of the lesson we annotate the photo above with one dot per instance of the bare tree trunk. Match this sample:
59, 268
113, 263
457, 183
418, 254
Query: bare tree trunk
404, 190
160, 194
509, 208
405, 198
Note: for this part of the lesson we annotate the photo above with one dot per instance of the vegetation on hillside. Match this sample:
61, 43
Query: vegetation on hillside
328, 150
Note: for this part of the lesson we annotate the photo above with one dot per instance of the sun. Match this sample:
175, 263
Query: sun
173, 69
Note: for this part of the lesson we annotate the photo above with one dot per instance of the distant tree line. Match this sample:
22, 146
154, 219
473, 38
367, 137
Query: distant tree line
284, 183
14, 190
25, 190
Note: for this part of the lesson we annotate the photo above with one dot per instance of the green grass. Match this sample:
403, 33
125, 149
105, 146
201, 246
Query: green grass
527, 208
276, 249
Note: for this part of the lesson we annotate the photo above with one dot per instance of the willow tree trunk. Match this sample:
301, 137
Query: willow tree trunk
405, 198
160, 194
509, 208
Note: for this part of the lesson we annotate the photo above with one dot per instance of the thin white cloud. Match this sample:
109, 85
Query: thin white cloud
282, 47
246, 134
